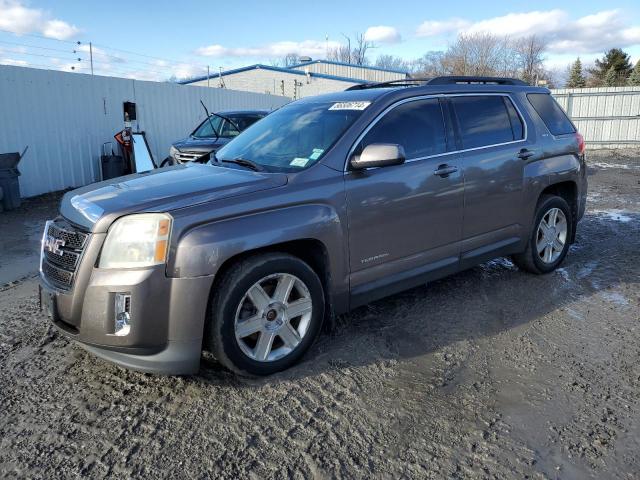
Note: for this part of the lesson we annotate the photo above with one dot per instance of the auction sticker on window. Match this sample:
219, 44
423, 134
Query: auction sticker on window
299, 162
317, 152
349, 106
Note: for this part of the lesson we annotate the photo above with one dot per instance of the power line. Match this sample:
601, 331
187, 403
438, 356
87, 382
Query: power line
36, 46
35, 35
150, 56
122, 62
36, 54
20, 63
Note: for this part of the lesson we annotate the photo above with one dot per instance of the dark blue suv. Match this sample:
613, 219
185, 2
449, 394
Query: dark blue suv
213, 133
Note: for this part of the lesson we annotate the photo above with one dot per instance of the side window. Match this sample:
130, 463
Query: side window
418, 126
552, 115
516, 121
484, 120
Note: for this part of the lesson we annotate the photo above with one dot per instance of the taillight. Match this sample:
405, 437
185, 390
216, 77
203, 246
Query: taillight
580, 139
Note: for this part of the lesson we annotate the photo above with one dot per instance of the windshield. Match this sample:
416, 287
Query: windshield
225, 128
295, 136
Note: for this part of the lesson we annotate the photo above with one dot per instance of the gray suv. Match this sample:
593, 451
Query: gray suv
329, 203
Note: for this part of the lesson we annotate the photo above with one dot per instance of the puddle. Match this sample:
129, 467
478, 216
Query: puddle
615, 215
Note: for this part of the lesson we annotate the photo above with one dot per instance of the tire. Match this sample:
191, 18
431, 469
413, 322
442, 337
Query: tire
534, 261
247, 321
167, 162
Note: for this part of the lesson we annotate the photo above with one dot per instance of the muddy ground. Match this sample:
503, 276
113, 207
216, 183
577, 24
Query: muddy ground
491, 373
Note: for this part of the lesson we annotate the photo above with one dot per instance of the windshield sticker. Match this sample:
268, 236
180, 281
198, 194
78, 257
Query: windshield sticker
349, 106
316, 154
299, 162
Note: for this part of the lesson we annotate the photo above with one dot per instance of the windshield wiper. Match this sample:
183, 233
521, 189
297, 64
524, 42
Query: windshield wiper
251, 165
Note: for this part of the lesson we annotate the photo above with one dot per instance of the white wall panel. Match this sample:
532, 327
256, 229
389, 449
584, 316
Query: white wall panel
65, 118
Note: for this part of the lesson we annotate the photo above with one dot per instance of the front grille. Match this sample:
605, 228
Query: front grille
62, 248
188, 156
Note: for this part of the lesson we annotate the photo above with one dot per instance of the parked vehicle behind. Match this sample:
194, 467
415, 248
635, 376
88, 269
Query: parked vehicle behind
326, 204
214, 132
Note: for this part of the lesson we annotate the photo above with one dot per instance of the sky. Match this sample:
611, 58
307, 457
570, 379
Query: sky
159, 39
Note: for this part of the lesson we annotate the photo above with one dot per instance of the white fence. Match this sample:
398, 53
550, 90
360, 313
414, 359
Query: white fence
607, 117
65, 118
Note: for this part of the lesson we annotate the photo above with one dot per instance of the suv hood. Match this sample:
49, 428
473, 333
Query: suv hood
204, 145
95, 206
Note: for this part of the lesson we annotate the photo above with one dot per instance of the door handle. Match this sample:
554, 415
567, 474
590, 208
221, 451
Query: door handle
445, 170
525, 153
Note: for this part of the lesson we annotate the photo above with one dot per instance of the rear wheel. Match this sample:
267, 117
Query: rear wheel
266, 312
549, 241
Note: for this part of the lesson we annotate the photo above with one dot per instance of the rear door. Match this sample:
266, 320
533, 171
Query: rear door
492, 134
405, 220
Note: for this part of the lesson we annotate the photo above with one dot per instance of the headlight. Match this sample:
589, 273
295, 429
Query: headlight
173, 151
139, 240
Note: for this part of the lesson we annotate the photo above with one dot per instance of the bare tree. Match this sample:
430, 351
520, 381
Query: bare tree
356, 55
392, 62
530, 51
428, 65
341, 53
287, 61
477, 54
360, 50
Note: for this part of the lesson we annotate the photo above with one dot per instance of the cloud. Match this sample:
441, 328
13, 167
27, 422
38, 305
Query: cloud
19, 19
433, 28
588, 34
382, 34
312, 48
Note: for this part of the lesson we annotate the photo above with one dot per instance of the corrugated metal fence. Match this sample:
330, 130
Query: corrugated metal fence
65, 118
607, 117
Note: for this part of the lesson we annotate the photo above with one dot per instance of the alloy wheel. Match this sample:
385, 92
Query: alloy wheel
551, 235
273, 317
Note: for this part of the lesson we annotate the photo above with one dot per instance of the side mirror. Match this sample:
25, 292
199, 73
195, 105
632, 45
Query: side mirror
378, 155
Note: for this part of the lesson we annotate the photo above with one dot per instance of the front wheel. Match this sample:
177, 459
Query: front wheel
549, 241
265, 313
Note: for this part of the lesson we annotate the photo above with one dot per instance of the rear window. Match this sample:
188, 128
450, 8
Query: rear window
551, 114
484, 120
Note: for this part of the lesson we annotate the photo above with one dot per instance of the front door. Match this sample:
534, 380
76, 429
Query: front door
405, 221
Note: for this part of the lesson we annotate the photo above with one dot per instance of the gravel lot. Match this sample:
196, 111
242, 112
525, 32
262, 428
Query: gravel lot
491, 373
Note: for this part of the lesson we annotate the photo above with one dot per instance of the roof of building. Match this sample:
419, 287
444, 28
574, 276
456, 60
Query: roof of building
368, 67
275, 69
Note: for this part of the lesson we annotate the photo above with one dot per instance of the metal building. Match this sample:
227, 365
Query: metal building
302, 80
347, 70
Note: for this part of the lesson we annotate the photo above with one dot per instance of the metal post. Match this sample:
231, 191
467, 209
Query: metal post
91, 56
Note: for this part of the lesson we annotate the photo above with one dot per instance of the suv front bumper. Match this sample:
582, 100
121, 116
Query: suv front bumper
167, 318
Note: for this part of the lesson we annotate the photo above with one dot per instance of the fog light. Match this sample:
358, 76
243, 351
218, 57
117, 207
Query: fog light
122, 314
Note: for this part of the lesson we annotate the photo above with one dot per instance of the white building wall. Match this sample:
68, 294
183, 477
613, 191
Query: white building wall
261, 80
351, 71
65, 118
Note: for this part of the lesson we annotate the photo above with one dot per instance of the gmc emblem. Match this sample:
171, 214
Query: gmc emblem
53, 245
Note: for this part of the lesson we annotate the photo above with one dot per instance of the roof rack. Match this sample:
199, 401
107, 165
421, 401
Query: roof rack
444, 80
458, 79
404, 82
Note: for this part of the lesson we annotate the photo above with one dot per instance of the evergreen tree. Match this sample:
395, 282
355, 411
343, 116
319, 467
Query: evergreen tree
576, 77
611, 78
616, 59
634, 78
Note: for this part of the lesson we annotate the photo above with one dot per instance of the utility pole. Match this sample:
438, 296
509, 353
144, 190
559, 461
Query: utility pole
91, 56
207, 75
